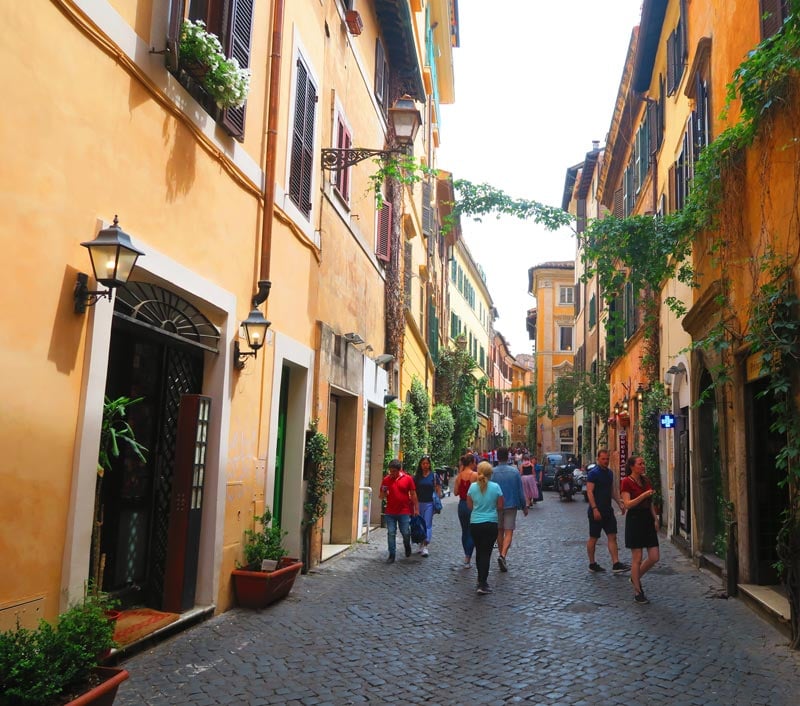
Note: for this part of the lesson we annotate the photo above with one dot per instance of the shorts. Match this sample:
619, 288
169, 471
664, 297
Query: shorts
507, 519
607, 523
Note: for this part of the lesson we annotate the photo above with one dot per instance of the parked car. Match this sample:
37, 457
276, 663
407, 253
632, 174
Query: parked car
552, 460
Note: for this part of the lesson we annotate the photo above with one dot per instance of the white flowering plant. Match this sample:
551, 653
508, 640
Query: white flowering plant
224, 80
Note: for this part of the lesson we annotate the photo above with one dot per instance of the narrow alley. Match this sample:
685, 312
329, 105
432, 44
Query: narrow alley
359, 631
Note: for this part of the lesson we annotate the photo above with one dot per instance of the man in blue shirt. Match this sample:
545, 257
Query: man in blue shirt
600, 490
510, 482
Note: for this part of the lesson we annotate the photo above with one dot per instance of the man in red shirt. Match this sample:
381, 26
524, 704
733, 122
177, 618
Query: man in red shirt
400, 494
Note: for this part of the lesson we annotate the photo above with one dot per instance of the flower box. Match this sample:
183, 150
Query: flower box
258, 589
354, 23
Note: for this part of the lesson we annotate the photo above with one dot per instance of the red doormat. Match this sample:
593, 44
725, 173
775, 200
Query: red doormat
133, 625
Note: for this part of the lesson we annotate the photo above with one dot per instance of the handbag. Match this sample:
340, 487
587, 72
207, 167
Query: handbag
437, 503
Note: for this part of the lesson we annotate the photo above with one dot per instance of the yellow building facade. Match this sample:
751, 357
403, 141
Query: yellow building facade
233, 212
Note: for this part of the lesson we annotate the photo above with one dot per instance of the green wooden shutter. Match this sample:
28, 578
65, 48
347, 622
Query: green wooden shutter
239, 32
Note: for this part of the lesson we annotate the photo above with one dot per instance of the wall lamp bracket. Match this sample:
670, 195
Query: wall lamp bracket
338, 159
85, 297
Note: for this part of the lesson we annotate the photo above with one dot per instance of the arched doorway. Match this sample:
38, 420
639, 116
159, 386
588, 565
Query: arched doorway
148, 542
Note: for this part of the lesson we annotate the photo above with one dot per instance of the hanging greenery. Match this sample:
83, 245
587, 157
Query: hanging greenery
420, 401
409, 440
391, 430
457, 387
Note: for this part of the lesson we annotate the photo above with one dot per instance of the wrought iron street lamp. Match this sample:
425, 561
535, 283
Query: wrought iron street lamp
404, 120
113, 258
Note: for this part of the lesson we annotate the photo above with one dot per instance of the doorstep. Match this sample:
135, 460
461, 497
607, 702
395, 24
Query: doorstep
186, 620
771, 602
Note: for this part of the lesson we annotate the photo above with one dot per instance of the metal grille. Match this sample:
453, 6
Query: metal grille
164, 311
183, 374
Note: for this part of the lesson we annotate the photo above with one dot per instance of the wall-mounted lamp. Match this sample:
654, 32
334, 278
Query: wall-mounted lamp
640, 392
255, 328
388, 398
353, 338
383, 358
625, 405
616, 409
404, 119
113, 259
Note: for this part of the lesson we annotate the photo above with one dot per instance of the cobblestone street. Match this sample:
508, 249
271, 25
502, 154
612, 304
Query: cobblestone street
359, 631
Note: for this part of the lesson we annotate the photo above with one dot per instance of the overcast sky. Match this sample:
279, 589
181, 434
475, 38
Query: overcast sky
536, 82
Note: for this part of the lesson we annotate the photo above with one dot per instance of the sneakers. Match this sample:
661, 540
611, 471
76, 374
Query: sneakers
390, 559
420, 547
595, 568
620, 568
424, 551
501, 561
483, 589
407, 545
466, 565
641, 586
640, 598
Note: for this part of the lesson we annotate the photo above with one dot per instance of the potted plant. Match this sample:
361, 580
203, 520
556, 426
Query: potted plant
268, 574
59, 663
202, 57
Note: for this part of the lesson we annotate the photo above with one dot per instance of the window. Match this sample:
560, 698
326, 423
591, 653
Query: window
631, 311
773, 14
676, 52
301, 167
340, 178
566, 295
565, 338
700, 118
232, 22
381, 76
592, 312
407, 260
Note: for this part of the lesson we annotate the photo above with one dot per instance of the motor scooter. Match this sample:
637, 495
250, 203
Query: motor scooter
565, 482
586, 475
579, 475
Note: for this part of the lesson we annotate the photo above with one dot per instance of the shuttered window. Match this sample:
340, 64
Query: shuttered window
427, 210
407, 254
700, 117
341, 177
383, 240
302, 156
381, 76
232, 22
676, 52
619, 203
773, 13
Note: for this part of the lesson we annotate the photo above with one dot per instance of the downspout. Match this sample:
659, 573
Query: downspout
264, 283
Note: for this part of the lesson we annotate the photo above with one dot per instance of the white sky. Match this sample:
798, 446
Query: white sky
536, 82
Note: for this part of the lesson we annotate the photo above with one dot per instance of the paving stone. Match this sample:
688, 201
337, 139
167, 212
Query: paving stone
358, 631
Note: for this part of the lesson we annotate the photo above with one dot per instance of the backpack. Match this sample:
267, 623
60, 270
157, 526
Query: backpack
419, 530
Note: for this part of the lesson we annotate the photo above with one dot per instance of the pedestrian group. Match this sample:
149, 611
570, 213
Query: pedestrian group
489, 497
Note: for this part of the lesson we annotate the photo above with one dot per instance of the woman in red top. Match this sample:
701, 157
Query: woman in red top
467, 475
641, 524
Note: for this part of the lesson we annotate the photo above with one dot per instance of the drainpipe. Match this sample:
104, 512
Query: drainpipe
273, 91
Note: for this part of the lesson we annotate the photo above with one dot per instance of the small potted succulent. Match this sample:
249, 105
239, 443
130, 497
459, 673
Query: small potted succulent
202, 58
60, 662
268, 574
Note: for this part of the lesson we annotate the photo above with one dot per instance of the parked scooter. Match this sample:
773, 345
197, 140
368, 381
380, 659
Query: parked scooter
565, 481
579, 474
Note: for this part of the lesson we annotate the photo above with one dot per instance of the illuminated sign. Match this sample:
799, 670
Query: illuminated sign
667, 421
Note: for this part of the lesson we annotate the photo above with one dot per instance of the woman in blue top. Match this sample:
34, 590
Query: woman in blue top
485, 500
427, 483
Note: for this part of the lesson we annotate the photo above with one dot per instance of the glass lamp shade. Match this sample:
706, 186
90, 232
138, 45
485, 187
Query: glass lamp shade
255, 329
113, 255
406, 119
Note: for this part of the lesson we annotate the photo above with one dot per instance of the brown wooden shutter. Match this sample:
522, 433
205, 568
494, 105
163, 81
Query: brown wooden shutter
619, 203
239, 31
653, 120
671, 49
302, 158
580, 224
672, 187
772, 15
383, 245
176, 11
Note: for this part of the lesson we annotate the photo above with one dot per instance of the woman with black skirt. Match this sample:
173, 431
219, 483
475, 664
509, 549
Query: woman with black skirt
641, 524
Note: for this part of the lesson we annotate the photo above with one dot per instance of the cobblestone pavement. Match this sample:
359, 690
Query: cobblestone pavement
359, 631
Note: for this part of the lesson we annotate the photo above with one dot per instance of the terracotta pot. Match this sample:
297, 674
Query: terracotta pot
113, 616
257, 589
104, 693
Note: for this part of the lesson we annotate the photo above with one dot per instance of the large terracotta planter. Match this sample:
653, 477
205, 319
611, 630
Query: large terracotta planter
104, 693
257, 589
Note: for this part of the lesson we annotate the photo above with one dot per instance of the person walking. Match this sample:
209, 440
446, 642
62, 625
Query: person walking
467, 475
600, 491
485, 501
510, 482
528, 480
427, 483
641, 524
538, 472
399, 492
